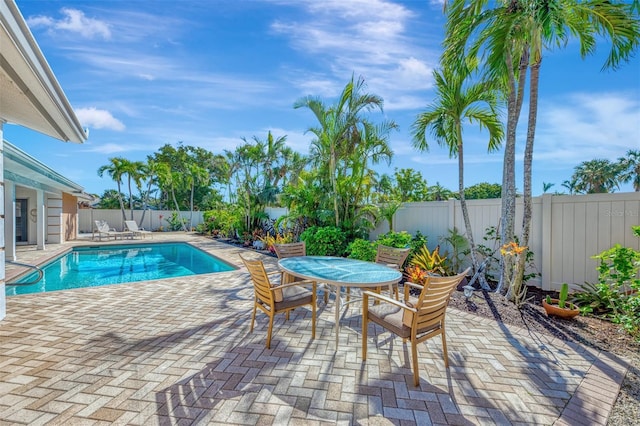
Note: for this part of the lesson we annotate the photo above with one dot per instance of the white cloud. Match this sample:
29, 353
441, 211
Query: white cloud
74, 21
99, 119
583, 127
109, 148
368, 38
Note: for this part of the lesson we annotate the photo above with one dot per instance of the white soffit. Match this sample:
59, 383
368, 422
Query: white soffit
30, 95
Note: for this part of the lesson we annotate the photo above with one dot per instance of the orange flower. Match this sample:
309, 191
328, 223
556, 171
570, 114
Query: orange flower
512, 249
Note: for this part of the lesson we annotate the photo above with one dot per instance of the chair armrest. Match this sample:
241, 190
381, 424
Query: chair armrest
389, 300
281, 286
414, 285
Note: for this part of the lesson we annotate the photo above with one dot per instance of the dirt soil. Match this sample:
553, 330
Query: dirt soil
589, 331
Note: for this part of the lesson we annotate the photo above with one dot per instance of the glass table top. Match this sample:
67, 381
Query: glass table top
340, 270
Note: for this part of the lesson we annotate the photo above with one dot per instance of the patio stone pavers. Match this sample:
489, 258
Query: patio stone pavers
179, 351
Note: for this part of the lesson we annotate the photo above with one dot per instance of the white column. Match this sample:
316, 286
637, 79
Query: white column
41, 222
10, 220
3, 297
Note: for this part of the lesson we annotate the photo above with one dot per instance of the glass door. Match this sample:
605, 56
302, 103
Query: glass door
22, 221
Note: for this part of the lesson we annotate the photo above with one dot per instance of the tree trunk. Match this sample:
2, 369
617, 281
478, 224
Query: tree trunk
527, 163
508, 208
124, 215
465, 210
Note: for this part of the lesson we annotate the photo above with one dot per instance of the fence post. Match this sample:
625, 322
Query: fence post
546, 246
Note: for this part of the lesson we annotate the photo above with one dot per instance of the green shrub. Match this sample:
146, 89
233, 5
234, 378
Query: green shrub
362, 249
616, 296
394, 239
324, 241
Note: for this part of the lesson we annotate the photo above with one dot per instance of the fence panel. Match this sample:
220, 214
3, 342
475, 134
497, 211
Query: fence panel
153, 219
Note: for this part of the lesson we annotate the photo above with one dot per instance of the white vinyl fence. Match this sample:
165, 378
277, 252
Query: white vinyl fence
566, 230
154, 220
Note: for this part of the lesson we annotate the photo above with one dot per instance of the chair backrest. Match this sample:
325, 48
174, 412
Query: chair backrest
261, 283
433, 300
290, 250
102, 226
391, 255
131, 225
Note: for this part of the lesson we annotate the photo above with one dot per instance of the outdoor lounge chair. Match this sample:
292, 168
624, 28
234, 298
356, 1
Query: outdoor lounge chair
103, 229
132, 226
417, 318
273, 299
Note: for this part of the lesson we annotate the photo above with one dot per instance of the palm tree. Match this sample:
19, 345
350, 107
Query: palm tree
457, 100
521, 30
195, 175
630, 165
339, 129
116, 169
596, 176
547, 186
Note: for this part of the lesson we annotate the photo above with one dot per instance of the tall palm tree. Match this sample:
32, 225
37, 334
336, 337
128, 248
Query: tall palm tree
195, 175
339, 128
519, 31
135, 172
630, 165
459, 100
116, 169
596, 176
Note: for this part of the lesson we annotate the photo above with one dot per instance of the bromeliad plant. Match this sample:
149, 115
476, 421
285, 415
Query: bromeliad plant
431, 261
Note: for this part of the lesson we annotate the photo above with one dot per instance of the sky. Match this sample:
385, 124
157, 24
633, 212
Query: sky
142, 74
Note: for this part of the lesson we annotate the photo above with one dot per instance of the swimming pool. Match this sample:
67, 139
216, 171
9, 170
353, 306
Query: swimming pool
105, 265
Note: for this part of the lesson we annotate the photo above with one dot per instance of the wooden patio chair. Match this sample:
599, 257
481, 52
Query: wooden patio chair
416, 318
293, 250
278, 298
392, 257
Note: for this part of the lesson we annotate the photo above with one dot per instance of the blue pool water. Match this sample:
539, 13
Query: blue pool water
96, 266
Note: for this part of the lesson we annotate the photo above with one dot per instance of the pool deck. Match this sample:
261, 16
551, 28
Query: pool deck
179, 351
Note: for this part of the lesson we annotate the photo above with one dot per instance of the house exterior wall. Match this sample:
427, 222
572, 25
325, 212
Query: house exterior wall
69, 217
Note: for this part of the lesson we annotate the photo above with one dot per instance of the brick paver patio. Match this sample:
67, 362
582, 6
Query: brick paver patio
179, 351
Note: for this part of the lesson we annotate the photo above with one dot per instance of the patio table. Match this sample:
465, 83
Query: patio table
340, 272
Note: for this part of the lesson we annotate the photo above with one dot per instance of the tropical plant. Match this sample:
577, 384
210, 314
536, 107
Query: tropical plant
562, 296
457, 100
514, 34
516, 290
482, 191
400, 239
324, 241
362, 249
630, 168
345, 141
617, 294
431, 261
459, 248
596, 176
116, 169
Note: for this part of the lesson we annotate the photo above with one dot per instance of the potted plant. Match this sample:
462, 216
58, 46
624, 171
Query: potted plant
560, 307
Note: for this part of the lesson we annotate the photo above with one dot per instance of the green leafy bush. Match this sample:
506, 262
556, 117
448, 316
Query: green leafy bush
616, 296
176, 223
362, 249
324, 241
394, 239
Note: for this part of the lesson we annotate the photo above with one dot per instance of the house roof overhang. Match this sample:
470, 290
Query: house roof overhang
26, 170
30, 95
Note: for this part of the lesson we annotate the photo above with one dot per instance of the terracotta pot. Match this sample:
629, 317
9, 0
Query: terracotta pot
569, 311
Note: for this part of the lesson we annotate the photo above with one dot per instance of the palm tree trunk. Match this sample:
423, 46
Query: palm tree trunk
527, 165
124, 215
465, 210
130, 198
508, 209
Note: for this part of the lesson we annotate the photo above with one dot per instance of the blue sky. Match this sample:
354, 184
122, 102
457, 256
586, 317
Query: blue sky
141, 74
